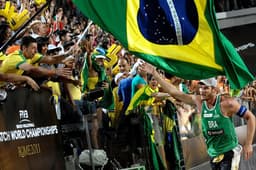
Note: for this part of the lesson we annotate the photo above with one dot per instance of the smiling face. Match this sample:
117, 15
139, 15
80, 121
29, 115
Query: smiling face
123, 65
206, 92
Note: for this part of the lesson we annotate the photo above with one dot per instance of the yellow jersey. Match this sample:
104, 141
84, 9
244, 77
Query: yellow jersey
12, 62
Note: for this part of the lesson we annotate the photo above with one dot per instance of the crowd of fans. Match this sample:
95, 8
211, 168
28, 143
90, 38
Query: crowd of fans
94, 73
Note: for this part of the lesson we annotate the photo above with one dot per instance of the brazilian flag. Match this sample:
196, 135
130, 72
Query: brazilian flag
181, 37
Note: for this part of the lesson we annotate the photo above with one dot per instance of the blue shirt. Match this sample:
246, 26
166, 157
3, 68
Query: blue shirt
124, 92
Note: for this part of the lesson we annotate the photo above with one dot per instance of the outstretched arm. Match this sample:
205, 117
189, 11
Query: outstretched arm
19, 79
250, 118
40, 71
168, 87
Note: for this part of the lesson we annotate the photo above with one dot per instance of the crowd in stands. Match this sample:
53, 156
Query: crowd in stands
96, 75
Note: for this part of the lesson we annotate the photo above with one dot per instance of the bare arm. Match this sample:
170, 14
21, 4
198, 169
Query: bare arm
53, 59
231, 107
59, 58
168, 87
19, 79
40, 71
250, 118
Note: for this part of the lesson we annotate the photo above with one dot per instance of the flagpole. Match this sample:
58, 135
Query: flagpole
85, 31
24, 25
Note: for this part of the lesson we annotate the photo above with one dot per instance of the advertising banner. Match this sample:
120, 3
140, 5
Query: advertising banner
29, 135
243, 37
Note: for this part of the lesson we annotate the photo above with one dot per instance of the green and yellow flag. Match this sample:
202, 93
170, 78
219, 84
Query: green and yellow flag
181, 37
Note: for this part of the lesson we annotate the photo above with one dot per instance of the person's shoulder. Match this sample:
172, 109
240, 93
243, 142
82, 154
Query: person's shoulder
135, 78
227, 100
14, 57
36, 58
126, 80
14, 53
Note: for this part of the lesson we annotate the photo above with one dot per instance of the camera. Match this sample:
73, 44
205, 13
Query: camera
90, 104
94, 94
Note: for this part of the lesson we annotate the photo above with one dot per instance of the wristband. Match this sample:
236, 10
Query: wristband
241, 111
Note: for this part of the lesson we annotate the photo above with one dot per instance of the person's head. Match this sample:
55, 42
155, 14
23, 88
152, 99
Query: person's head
32, 9
2, 4
67, 45
124, 65
59, 13
28, 46
64, 36
105, 42
207, 88
5, 32
42, 44
43, 29
35, 27
53, 49
99, 59
153, 84
175, 80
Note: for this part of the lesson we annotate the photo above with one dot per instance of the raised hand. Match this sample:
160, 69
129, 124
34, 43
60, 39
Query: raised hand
146, 67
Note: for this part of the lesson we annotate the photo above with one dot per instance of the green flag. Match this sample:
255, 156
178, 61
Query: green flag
181, 37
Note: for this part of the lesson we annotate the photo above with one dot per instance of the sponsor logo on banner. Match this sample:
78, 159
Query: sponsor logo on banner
26, 129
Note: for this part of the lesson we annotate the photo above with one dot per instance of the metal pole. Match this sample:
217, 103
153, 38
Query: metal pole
85, 31
88, 139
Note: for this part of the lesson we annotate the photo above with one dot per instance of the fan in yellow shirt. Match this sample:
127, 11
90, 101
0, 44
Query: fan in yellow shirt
23, 60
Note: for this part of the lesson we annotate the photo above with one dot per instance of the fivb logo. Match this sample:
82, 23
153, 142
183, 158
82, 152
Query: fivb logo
24, 120
23, 115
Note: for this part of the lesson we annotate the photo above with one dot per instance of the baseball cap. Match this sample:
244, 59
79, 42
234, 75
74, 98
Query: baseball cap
209, 82
100, 56
53, 48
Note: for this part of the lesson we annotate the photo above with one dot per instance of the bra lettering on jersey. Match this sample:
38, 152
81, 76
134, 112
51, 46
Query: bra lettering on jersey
212, 124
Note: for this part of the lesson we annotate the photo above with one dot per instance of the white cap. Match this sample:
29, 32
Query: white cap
209, 82
51, 47
100, 56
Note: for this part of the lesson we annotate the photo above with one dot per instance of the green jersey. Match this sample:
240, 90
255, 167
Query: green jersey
218, 130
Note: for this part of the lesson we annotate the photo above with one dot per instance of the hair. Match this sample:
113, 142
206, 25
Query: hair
126, 59
26, 41
41, 41
168, 75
